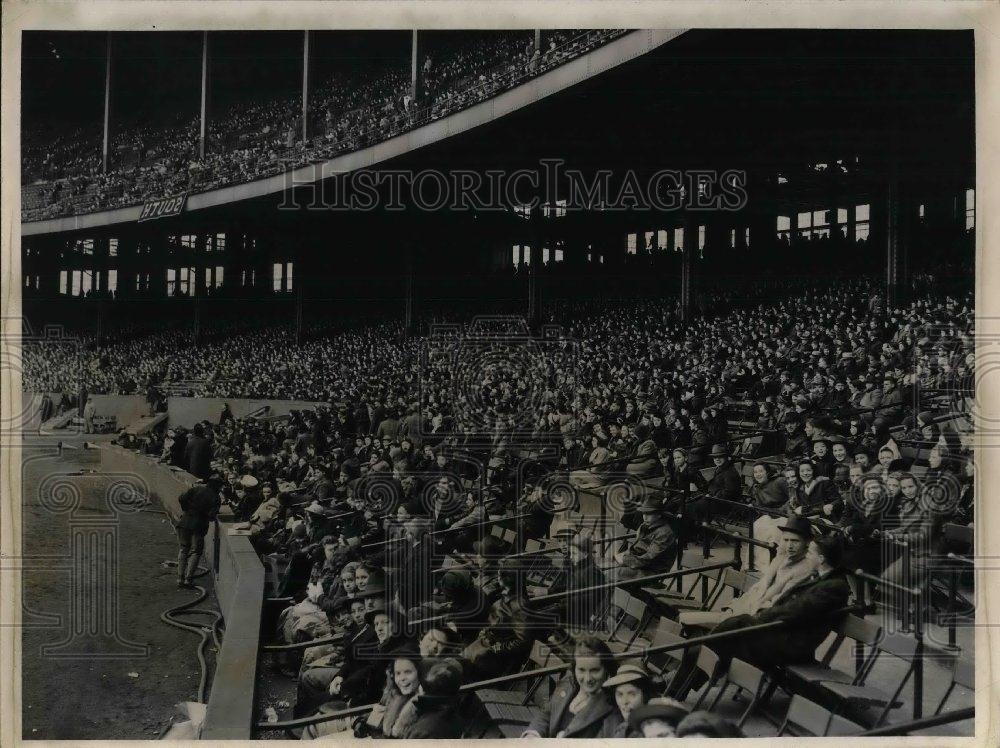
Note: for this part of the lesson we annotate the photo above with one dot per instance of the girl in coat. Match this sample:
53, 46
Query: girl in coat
579, 706
629, 688
395, 712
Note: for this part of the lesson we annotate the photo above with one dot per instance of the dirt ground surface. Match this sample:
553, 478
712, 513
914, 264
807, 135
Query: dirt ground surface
98, 686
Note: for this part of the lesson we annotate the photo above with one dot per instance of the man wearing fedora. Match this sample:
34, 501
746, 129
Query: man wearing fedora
786, 570
807, 609
655, 546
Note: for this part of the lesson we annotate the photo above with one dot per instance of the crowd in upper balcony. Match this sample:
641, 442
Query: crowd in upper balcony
62, 173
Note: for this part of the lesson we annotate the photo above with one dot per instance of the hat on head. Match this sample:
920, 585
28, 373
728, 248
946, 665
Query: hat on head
720, 450
628, 672
248, 481
797, 524
490, 546
662, 708
650, 505
315, 508
378, 606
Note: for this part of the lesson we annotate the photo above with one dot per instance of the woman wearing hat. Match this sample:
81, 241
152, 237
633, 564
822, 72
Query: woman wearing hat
361, 679
579, 706
630, 688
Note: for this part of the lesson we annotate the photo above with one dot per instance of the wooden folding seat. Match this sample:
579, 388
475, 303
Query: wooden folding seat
808, 719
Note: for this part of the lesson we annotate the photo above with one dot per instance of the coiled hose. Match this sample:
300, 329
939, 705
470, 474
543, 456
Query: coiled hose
170, 617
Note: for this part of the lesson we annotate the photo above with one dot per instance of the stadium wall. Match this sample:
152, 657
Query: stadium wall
239, 590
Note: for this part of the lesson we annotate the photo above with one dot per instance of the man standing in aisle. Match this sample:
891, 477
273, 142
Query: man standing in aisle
200, 505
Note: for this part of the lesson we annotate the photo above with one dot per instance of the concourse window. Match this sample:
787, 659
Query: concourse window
970, 210
661, 239
732, 238
213, 277
648, 240
630, 245
784, 227
188, 241
112, 281
746, 237
63, 282
679, 240
560, 208
112, 247
804, 224
142, 282
220, 242
516, 255
248, 278
559, 255
861, 222
282, 277
701, 238
821, 224
76, 283
545, 255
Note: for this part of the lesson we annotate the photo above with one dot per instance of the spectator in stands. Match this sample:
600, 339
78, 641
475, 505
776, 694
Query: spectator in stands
579, 572
796, 441
658, 718
655, 546
437, 705
396, 712
505, 642
814, 494
631, 687
579, 706
198, 453
789, 567
808, 610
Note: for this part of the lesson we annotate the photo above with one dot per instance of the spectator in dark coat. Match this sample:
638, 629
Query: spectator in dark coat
807, 607
579, 572
200, 505
438, 714
198, 453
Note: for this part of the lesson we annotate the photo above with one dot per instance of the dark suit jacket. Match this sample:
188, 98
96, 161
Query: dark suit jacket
586, 724
198, 457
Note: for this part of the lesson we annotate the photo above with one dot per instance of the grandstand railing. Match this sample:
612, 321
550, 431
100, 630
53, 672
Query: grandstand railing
640, 653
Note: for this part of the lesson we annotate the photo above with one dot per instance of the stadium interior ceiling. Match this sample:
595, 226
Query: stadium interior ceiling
882, 112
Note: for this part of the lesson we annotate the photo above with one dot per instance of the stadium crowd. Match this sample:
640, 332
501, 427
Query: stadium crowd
256, 139
374, 511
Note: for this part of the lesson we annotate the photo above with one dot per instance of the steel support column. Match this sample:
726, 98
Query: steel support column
305, 86
107, 107
203, 130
